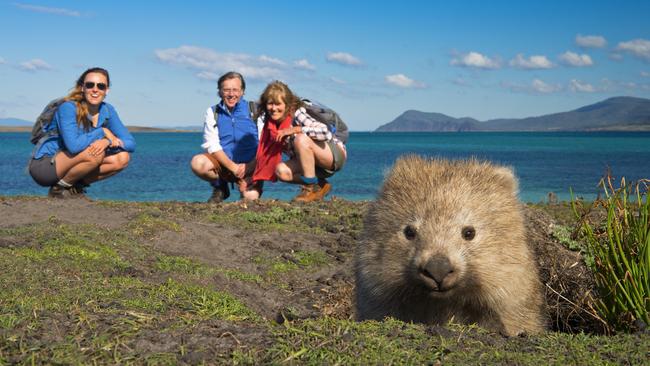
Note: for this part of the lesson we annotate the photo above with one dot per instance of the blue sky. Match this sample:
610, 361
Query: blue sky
368, 60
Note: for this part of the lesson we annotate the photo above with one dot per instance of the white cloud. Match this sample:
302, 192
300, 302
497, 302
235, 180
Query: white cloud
304, 65
574, 59
34, 65
403, 81
2, 61
272, 60
208, 75
638, 47
343, 59
591, 41
531, 63
475, 59
579, 86
209, 63
48, 10
336, 80
541, 87
645, 74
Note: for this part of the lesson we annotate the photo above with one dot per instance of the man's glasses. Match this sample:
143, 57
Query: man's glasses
90, 85
230, 91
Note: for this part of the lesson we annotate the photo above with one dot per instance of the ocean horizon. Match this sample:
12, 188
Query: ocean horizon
542, 161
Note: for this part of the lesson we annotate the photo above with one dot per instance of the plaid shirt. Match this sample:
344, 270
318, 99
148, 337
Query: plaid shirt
317, 131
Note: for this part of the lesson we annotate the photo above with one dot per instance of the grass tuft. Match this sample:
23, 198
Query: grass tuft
620, 247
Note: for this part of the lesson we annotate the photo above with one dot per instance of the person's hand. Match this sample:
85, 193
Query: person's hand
115, 141
243, 185
98, 147
284, 133
240, 172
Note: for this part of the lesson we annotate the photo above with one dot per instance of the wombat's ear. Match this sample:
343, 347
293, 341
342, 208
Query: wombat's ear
507, 178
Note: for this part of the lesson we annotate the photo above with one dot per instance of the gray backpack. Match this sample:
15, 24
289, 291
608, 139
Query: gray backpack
43, 120
329, 117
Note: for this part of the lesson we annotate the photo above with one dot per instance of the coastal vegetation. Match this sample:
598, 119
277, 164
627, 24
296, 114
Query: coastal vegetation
619, 248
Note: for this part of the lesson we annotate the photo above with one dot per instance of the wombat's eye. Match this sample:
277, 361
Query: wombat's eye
410, 232
468, 233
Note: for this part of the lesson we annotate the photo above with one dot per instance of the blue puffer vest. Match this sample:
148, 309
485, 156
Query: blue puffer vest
237, 132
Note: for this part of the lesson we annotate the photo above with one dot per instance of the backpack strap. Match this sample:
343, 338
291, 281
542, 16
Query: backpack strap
216, 115
252, 107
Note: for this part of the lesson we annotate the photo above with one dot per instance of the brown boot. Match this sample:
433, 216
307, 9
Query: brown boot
325, 188
308, 193
78, 190
219, 193
57, 191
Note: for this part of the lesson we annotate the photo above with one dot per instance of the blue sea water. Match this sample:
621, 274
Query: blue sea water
543, 162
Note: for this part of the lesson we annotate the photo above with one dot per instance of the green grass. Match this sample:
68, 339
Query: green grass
620, 247
184, 265
276, 218
284, 217
71, 283
149, 223
294, 261
331, 341
83, 295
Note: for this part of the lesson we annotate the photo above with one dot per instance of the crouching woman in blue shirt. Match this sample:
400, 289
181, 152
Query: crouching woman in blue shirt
87, 142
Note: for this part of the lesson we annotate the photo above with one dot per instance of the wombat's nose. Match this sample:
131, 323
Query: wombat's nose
437, 268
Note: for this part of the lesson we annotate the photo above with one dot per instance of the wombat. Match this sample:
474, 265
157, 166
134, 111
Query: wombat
445, 241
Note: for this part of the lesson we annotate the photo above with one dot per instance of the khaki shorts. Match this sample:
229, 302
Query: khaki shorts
339, 161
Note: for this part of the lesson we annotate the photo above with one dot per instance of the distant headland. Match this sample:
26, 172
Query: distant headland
613, 114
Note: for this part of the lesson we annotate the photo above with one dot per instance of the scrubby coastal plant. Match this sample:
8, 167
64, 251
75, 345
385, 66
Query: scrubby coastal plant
620, 247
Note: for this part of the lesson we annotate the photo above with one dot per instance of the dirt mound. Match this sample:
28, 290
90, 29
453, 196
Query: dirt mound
567, 281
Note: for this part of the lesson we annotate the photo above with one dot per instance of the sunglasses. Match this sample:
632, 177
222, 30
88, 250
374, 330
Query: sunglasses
90, 85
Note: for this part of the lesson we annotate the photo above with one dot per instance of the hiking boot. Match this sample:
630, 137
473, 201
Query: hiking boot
325, 188
220, 193
79, 190
309, 193
56, 191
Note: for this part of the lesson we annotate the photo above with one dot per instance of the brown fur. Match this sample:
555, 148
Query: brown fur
490, 279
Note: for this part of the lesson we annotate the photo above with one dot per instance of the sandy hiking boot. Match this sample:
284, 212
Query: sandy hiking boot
325, 188
312, 192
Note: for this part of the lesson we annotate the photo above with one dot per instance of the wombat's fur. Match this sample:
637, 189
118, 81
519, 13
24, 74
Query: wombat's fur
445, 240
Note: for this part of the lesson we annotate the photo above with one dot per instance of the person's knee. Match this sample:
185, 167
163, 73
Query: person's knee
283, 172
302, 142
200, 164
123, 159
96, 159
86, 157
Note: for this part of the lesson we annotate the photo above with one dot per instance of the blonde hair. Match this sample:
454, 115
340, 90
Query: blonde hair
278, 91
76, 95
